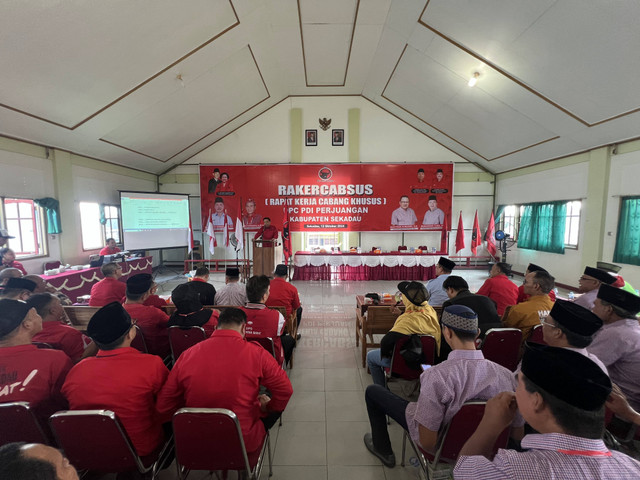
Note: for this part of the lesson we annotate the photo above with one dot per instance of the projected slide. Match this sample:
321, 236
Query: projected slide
154, 220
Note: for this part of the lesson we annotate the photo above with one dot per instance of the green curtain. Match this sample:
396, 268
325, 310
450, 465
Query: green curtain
103, 216
51, 207
628, 238
542, 227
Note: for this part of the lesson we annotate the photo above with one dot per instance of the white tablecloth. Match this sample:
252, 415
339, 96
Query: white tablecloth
388, 260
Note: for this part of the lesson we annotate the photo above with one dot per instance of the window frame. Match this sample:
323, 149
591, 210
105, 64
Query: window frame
91, 249
39, 222
110, 221
567, 233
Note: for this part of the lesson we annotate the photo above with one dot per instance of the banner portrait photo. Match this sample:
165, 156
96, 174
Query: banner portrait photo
331, 197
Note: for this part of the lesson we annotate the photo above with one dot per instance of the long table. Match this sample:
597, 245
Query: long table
365, 266
76, 283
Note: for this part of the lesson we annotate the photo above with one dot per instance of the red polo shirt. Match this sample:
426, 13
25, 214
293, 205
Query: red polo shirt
153, 323
226, 371
30, 374
63, 337
263, 322
126, 381
283, 293
269, 233
17, 265
106, 291
523, 296
109, 251
501, 290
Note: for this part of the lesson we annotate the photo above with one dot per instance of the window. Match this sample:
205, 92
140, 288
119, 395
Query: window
112, 225
509, 218
572, 224
628, 237
25, 222
92, 236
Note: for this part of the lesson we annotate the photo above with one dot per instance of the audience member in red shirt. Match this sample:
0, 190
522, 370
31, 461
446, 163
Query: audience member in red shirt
267, 231
120, 378
523, 296
56, 332
111, 248
18, 288
189, 311
110, 288
264, 322
499, 288
8, 257
27, 373
226, 371
282, 293
152, 321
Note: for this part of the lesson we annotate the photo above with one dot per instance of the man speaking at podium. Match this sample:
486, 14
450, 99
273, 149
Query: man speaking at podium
267, 231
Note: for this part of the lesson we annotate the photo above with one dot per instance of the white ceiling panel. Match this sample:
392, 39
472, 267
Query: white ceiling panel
88, 54
326, 52
223, 92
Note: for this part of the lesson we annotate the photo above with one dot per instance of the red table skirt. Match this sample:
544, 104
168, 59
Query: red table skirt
363, 273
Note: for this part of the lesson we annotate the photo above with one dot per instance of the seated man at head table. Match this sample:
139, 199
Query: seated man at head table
31, 374
419, 317
18, 289
110, 248
241, 369
437, 295
120, 378
528, 314
561, 394
444, 388
34, 461
499, 288
589, 283
233, 293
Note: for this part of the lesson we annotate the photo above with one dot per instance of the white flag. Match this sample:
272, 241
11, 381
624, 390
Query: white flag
212, 236
239, 234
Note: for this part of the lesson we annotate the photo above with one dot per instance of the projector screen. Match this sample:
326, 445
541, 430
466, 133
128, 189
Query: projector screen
154, 220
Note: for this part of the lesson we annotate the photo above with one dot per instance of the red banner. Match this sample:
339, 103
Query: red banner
343, 197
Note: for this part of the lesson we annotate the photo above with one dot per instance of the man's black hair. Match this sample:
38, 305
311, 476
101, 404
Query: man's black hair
455, 282
232, 316
545, 280
41, 302
14, 465
202, 271
257, 286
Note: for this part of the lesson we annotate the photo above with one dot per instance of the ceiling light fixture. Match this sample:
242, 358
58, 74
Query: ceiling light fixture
473, 80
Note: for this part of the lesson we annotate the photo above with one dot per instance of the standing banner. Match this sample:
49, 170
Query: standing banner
336, 197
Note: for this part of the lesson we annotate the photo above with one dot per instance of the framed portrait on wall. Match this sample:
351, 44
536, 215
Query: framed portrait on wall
311, 138
337, 138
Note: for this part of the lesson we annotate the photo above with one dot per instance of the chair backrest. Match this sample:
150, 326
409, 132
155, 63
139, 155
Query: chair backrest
51, 265
438, 310
536, 335
502, 346
95, 440
183, 338
399, 367
379, 319
18, 423
505, 314
138, 342
402, 248
264, 342
80, 315
281, 308
209, 439
462, 426
169, 308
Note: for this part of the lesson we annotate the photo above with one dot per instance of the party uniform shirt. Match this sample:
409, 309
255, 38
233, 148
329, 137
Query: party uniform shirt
30, 374
282, 293
153, 323
109, 251
523, 296
501, 290
264, 322
106, 291
527, 315
437, 294
63, 337
550, 456
17, 265
400, 216
253, 219
617, 345
465, 375
126, 381
269, 233
204, 289
232, 294
154, 301
587, 300
226, 371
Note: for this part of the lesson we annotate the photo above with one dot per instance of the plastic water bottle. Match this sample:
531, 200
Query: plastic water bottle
572, 295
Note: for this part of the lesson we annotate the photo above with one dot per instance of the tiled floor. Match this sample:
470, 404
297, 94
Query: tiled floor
323, 425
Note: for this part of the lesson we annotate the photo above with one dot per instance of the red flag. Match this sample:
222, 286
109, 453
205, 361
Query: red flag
476, 236
286, 237
491, 240
444, 247
460, 234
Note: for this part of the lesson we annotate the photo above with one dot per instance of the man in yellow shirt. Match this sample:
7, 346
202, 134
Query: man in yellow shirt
527, 314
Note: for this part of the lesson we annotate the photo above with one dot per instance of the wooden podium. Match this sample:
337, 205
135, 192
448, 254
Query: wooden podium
264, 258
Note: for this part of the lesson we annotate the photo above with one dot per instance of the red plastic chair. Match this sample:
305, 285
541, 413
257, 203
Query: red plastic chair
18, 423
183, 338
453, 437
536, 335
402, 248
399, 367
52, 265
211, 439
266, 343
138, 342
502, 346
96, 440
